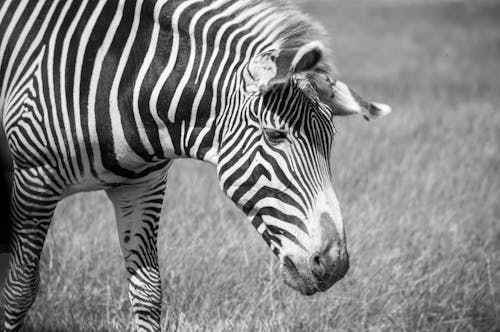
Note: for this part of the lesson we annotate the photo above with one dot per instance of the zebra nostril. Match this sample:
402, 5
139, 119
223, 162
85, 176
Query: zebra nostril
318, 265
316, 260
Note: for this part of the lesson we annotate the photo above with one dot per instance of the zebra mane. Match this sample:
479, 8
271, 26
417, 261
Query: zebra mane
296, 30
296, 27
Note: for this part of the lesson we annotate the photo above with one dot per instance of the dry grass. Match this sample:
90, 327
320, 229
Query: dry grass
420, 193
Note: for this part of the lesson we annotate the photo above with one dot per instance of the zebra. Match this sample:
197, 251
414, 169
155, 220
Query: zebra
105, 95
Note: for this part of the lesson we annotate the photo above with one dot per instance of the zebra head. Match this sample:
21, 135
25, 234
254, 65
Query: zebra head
275, 161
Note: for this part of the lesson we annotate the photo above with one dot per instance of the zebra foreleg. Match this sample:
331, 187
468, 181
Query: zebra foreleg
138, 209
34, 199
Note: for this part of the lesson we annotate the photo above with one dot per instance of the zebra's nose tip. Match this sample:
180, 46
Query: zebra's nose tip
329, 266
330, 262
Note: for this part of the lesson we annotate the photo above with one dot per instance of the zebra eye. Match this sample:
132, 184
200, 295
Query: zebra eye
276, 136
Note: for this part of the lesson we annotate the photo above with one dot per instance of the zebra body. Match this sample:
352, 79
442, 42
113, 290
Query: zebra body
105, 94
89, 86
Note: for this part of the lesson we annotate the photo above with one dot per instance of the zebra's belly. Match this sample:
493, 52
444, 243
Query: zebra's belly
108, 180
88, 185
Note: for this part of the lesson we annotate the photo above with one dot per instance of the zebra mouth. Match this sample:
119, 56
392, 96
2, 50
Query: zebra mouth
296, 280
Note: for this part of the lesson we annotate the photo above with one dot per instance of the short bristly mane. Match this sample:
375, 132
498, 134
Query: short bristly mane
295, 28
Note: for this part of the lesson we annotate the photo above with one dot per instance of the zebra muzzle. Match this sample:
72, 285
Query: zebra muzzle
309, 273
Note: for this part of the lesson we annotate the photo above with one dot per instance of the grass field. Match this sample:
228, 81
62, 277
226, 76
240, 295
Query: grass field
420, 193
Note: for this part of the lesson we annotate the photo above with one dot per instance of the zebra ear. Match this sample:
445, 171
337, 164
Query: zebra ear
344, 101
276, 66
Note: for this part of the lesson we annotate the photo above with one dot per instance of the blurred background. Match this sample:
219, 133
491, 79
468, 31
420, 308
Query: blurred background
419, 190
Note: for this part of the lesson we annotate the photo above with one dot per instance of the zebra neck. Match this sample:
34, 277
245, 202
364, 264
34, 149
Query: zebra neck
207, 47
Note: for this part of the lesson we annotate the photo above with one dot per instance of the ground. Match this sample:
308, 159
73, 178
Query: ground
420, 193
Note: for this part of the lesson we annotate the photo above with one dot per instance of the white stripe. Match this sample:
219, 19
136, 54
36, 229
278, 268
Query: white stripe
261, 228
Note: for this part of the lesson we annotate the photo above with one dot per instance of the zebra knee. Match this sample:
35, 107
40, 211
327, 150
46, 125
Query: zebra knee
22, 284
17, 300
20, 287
